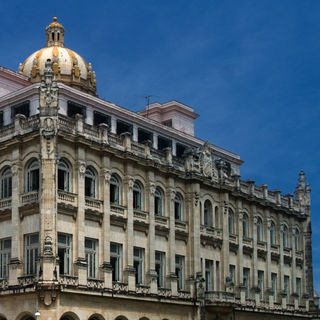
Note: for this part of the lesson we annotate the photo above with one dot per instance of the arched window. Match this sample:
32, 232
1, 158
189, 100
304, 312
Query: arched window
158, 202
178, 210
32, 176
64, 176
90, 183
115, 189
285, 236
245, 226
273, 233
297, 240
6, 183
207, 213
137, 196
259, 229
216, 216
231, 221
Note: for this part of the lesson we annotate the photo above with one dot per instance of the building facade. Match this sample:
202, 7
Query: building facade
110, 214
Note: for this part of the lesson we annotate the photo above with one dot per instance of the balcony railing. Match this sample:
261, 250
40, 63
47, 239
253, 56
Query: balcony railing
26, 280
141, 289
5, 203
67, 197
95, 284
3, 284
140, 214
163, 292
93, 203
30, 197
120, 287
118, 209
220, 296
68, 280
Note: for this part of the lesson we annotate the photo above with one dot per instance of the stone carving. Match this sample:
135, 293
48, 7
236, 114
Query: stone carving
107, 175
171, 192
130, 182
49, 129
15, 169
81, 167
48, 87
151, 188
302, 191
206, 163
196, 198
47, 248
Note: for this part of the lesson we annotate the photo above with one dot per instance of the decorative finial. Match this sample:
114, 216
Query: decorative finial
55, 34
55, 19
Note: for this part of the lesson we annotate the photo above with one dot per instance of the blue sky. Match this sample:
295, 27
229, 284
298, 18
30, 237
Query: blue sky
249, 68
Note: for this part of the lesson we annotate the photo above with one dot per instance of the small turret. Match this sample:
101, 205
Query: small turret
55, 34
302, 191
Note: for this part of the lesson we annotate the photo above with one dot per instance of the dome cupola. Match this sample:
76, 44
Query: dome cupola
68, 66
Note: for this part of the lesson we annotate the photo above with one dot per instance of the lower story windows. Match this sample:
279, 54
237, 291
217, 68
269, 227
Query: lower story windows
209, 275
116, 260
261, 283
180, 271
138, 263
31, 251
64, 253
91, 250
5, 254
246, 281
160, 263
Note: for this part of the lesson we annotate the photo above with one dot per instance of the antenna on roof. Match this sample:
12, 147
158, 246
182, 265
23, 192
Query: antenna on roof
148, 103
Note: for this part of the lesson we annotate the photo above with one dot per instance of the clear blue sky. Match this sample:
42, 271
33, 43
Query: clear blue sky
249, 68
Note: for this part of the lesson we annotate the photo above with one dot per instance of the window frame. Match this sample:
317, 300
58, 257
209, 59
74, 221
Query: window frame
159, 202
6, 183
137, 196
67, 253
138, 264
32, 176
90, 177
208, 213
179, 270
115, 189
160, 265
178, 207
5, 256
31, 253
64, 167
116, 256
92, 257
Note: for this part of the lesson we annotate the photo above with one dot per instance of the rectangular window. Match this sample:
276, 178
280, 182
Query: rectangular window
144, 135
246, 281
75, 108
209, 275
123, 127
160, 263
91, 250
261, 283
1, 119
217, 275
180, 149
180, 271
5, 254
167, 123
138, 263
64, 253
31, 250
164, 143
116, 260
22, 108
298, 286
287, 287
274, 285
232, 273
99, 117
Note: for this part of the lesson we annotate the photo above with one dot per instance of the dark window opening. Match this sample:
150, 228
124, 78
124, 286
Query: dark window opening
1, 119
164, 143
52, 35
22, 108
123, 127
168, 123
99, 118
75, 108
144, 135
180, 149
58, 36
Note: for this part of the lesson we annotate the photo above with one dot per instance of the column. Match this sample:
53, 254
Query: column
225, 251
129, 270
269, 292
15, 267
81, 263
152, 274
106, 266
174, 148
134, 133
155, 140
293, 268
240, 251
255, 257
170, 196
113, 125
89, 116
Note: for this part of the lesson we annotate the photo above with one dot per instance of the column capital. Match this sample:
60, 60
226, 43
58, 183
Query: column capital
81, 165
15, 168
269, 223
171, 192
129, 180
106, 174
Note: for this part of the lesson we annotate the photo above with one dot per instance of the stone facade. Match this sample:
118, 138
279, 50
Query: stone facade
106, 214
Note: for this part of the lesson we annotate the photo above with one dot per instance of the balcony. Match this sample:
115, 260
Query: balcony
233, 242
181, 230
247, 246
27, 281
30, 197
67, 198
95, 284
142, 290
68, 281
262, 249
219, 297
275, 255
141, 220
210, 235
93, 204
118, 215
3, 284
186, 295
5, 203
163, 292
120, 287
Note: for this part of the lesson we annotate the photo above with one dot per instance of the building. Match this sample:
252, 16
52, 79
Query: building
111, 214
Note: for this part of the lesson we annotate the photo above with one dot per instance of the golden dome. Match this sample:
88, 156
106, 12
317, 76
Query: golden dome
68, 66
